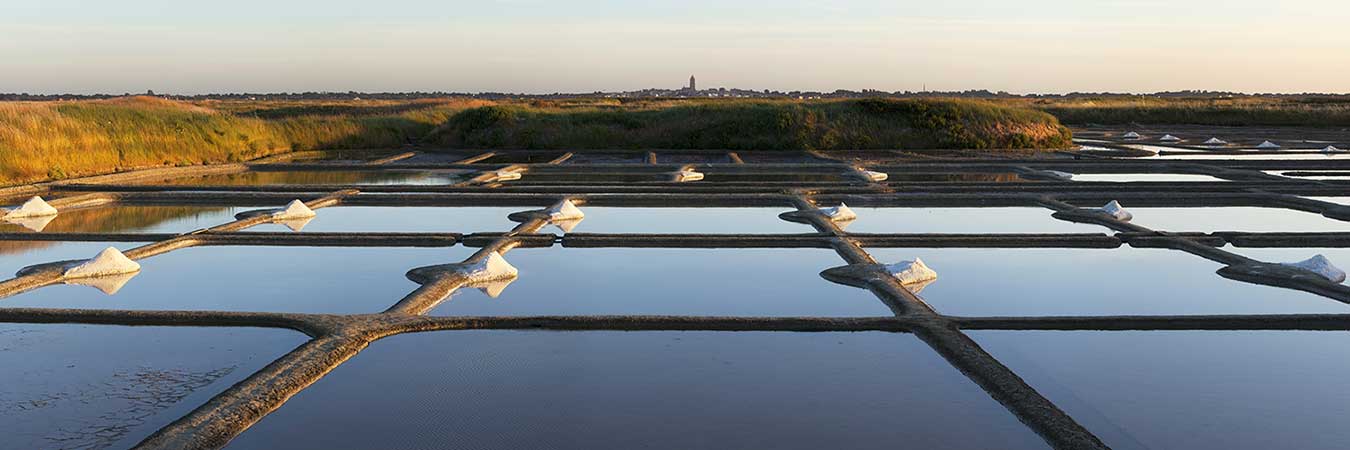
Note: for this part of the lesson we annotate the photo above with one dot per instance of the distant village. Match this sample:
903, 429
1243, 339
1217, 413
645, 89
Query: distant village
690, 90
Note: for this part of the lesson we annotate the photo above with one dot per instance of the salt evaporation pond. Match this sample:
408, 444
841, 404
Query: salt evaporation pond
653, 390
964, 220
131, 219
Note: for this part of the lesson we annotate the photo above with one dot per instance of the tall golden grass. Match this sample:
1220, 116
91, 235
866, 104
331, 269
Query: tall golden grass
41, 141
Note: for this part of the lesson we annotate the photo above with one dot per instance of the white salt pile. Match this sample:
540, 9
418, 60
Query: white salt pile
841, 213
493, 268
564, 210
873, 176
1114, 209
1267, 145
296, 209
1330, 149
1321, 266
685, 175
1170, 138
1216, 141
1132, 135
34, 207
108, 262
912, 272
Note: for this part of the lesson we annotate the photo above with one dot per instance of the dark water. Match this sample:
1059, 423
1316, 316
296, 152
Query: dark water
1194, 390
964, 220
1024, 282
740, 282
86, 386
272, 279
658, 390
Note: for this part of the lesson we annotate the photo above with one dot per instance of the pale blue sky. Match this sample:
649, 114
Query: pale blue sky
577, 46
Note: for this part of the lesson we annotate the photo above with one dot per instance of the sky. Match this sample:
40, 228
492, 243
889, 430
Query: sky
545, 46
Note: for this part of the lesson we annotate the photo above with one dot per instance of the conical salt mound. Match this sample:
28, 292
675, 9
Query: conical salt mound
912, 272
1330, 149
841, 213
296, 209
564, 210
493, 268
1321, 266
685, 175
1170, 138
874, 176
34, 207
108, 262
1131, 135
1216, 141
1267, 145
1114, 209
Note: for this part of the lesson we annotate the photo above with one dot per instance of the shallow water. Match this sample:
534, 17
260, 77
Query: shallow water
1234, 218
1124, 281
655, 390
302, 177
687, 220
409, 219
15, 255
101, 386
130, 219
272, 279
700, 282
1339, 256
1124, 177
1190, 389
964, 220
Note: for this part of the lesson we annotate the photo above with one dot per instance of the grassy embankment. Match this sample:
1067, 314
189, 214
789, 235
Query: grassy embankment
40, 141
758, 124
1242, 111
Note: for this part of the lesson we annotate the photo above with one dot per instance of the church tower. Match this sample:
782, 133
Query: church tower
692, 86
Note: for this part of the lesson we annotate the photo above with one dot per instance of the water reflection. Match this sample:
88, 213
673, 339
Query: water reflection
272, 279
405, 219
302, 177
1190, 389
1234, 218
1027, 282
601, 219
84, 386
965, 220
730, 282
133, 218
654, 390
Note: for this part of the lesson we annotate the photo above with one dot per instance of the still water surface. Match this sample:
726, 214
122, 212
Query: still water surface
103, 386
655, 390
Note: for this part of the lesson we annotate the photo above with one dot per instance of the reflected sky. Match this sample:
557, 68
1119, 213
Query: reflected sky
964, 220
272, 279
703, 282
15, 255
1200, 389
418, 219
654, 390
1120, 177
1340, 257
364, 177
1233, 218
134, 219
1027, 282
100, 386
688, 220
